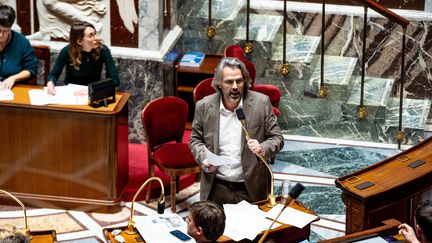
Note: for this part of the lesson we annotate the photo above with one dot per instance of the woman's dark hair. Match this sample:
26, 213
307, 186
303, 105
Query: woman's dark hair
76, 34
7, 16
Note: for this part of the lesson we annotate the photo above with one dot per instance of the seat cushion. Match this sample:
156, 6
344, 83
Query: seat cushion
276, 111
270, 90
175, 156
139, 173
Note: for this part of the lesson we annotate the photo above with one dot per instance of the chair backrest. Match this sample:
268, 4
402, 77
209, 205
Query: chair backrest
203, 89
42, 52
237, 52
164, 120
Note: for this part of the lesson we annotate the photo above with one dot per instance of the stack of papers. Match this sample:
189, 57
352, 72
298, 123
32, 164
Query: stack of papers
6, 94
245, 221
156, 228
291, 216
65, 95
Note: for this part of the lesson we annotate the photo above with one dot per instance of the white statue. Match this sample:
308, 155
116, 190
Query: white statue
56, 16
128, 13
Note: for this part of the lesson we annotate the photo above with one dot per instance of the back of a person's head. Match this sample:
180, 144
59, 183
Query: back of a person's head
12, 234
424, 219
210, 217
7, 16
15, 239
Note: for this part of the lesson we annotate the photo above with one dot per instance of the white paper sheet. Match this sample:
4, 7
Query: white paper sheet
291, 216
217, 160
64, 96
156, 228
6, 94
245, 221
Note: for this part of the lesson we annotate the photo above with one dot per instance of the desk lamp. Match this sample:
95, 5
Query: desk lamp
271, 197
160, 207
27, 230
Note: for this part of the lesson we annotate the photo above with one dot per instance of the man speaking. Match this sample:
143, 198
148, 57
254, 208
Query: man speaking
217, 127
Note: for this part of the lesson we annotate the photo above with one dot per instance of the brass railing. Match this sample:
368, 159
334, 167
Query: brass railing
362, 113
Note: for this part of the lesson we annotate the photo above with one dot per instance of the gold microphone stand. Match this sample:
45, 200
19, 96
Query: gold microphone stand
27, 230
131, 224
264, 236
271, 197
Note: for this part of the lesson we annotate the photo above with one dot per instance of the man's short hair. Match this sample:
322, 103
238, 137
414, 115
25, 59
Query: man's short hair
12, 234
231, 62
7, 16
210, 217
424, 219
15, 239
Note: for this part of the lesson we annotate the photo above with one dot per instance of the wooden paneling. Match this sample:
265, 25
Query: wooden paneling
395, 184
64, 157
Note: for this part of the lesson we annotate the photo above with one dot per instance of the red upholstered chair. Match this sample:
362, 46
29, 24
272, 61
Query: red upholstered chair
164, 121
203, 89
271, 91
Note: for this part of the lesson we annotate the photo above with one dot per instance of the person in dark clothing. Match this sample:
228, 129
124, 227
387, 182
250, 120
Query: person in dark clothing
18, 61
206, 221
422, 231
83, 58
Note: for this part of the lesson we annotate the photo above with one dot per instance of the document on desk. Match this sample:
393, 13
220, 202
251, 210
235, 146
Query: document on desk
64, 96
217, 160
245, 221
291, 216
156, 228
6, 94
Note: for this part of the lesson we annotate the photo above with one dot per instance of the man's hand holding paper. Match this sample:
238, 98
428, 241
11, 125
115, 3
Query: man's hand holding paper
217, 160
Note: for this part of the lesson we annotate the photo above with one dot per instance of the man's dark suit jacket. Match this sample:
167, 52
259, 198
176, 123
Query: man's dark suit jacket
261, 125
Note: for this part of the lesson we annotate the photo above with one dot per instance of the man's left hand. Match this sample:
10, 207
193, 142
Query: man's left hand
255, 147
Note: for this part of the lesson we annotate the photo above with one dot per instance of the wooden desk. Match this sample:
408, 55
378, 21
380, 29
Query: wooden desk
389, 228
186, 78
284, 233
70, 157
396, 183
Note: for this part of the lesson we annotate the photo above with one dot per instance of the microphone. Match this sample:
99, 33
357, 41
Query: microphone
241, 116
161, 205
292, 195
130, 230
271, 197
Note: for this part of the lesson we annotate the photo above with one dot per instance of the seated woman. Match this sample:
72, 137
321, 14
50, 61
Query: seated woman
18, 61
83, 58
